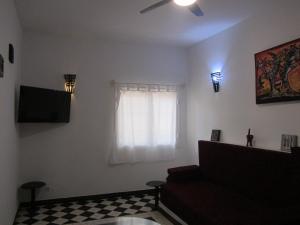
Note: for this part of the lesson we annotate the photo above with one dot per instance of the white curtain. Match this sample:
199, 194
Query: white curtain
145, 123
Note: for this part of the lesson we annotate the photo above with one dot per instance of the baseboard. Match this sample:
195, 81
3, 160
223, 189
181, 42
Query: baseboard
88, 197
170, 215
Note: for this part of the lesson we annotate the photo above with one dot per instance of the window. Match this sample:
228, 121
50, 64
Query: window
145, 119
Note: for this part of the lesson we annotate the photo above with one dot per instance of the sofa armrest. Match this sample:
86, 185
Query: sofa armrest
184, 173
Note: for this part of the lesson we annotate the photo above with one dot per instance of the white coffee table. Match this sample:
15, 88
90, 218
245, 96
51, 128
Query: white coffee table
131, 221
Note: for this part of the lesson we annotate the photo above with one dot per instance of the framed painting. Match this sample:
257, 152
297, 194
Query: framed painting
288, 142
215, 135
278, 73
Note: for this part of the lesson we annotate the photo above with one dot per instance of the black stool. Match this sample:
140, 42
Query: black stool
157, 185
33, 186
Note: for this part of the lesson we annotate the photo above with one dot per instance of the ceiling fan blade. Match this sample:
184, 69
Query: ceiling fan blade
154, 6
196, 10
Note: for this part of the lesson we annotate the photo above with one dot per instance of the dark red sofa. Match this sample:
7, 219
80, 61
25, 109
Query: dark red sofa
236, 185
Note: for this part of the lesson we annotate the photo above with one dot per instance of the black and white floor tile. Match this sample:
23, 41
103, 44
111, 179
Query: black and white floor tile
84, 211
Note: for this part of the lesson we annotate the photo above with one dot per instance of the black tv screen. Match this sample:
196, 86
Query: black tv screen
38, 105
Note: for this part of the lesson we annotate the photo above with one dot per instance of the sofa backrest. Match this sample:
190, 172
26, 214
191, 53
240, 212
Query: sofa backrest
259, 174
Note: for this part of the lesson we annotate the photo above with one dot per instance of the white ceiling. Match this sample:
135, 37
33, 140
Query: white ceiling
120, 19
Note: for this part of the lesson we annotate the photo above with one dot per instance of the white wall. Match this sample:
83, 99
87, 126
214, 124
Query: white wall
9, 140
234, 110
72, 158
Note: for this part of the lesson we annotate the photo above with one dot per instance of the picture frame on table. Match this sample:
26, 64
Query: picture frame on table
215, 135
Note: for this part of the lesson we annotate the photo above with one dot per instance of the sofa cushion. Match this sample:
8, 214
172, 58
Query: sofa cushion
206, 203
184, 173
259, 174
212, 204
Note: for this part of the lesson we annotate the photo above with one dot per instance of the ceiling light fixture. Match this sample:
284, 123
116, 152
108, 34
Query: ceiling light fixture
185, 2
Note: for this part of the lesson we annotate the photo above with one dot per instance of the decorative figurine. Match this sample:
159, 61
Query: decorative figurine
249, 139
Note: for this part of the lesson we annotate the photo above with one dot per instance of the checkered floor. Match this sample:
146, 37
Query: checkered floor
82, 211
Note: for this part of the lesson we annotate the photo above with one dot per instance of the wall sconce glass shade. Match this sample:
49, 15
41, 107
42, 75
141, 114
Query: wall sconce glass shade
70, 83
216, 78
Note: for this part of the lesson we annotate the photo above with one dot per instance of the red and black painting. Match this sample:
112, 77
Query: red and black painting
278, 73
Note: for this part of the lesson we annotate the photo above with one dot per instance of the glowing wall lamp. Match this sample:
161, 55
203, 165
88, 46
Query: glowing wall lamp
216, 78
70, 82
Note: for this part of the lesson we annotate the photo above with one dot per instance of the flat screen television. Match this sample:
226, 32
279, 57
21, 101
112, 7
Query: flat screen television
39, 105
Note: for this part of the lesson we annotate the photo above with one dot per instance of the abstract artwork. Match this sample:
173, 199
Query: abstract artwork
278, 73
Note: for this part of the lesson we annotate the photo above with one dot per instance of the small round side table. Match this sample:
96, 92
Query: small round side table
157, 186
32, 187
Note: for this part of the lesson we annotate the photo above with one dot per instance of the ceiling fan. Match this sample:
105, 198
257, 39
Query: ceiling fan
190, 4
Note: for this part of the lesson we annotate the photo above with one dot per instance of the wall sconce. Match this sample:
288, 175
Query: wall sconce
70, 82
216, 78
